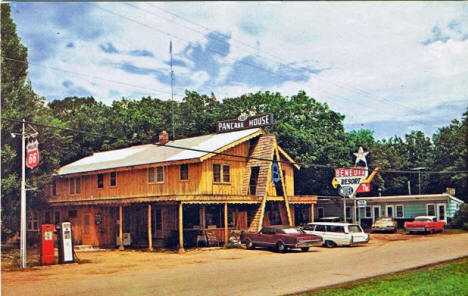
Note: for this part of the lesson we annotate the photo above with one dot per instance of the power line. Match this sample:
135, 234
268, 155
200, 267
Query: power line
364, 92
87, 75
306, 164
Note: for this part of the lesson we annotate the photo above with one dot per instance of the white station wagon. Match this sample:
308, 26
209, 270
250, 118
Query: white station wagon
337, 234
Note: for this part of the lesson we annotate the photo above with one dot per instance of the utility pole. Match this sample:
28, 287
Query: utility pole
23, 250
172, 92
419, 176
23, 245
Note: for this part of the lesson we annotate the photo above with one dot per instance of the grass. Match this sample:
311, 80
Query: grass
439, 280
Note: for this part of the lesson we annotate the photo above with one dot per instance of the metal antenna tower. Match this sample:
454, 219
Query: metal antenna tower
172, 91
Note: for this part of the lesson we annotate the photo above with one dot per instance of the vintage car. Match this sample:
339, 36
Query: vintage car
384, 224
424, 224
280, 237
337, 234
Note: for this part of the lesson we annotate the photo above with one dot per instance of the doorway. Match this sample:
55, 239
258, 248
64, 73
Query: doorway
441, 212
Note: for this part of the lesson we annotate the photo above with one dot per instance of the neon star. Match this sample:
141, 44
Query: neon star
361, 155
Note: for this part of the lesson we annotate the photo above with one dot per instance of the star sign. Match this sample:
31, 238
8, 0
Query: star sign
361, 155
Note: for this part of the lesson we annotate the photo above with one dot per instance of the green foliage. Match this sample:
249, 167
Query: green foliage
461, 218
443, 280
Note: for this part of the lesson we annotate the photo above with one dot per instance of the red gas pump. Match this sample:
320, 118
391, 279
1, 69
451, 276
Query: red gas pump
47, 244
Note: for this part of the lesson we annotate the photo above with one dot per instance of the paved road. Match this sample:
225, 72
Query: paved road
231, 271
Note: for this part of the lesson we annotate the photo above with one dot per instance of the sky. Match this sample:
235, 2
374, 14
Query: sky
388, 67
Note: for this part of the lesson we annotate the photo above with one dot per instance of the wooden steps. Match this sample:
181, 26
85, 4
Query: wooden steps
257, 222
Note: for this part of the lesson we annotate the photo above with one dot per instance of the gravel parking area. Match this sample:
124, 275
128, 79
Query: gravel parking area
216, 271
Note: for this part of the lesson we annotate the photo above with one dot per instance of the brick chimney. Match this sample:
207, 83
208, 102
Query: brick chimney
163, 138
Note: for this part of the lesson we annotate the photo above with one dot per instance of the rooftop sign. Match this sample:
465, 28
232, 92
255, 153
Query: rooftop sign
244, 122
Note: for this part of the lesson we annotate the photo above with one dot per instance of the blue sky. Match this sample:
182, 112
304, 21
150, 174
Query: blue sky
388, 67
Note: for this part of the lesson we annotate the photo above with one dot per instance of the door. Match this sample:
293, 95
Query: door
389, 211
441, 212
375, 212
86, 230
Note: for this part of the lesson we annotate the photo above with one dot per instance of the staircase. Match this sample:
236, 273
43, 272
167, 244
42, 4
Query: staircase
257, 222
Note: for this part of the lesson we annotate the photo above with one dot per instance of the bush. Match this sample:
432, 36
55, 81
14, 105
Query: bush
461, 218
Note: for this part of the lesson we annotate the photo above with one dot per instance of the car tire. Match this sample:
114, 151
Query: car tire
305, 249
330, 244
249, 244
280, 247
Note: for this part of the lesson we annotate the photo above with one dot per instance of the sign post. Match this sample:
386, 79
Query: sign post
349, 180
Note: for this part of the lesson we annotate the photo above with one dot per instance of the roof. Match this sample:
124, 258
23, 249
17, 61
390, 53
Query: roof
151, 153
411, 197
331, 223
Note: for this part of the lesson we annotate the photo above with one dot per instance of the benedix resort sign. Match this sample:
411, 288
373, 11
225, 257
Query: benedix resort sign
244, 122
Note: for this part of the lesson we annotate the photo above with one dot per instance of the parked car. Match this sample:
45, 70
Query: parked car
384, 224
280, 237
424, 224
337, 234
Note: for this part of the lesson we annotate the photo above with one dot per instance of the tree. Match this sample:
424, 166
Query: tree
19, 101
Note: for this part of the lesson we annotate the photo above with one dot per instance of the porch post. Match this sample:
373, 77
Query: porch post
312, 213
181, 229
150, 233
225, 223
121, 246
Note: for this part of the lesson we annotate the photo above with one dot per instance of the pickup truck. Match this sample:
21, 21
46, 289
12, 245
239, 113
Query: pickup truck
280, 237
424, 224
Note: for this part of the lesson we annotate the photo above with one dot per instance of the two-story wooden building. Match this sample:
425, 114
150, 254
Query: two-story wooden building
171, 192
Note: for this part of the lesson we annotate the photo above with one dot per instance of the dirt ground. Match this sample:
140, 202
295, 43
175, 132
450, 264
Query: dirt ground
137, 272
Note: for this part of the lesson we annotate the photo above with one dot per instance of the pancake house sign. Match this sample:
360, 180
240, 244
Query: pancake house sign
244, 122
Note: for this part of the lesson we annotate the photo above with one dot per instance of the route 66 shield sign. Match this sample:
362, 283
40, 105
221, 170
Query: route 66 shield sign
32, 155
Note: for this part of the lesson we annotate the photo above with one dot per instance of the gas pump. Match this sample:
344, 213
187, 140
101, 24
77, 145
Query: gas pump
65, 243
47, 244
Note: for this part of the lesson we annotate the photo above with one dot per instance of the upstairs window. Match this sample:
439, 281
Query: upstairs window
75, 185
113, 178
160, 174
100, 181
151, 175
221, 173
184, 172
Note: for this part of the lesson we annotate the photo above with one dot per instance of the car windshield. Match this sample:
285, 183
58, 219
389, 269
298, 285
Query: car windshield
354, 228
291, 231
423, 219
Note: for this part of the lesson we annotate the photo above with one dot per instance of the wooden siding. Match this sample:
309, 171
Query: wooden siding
134, 182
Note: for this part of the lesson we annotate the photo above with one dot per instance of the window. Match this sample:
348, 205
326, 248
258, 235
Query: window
368, 212
113, 178
78, 185
33, 224
253, 179
151, 175
332, 228
54, 187
216, 173
184, 172
389, 211
430, 209
320, 228
320, 212
213, 216
399, 211
348, 212
75, 185
100, 181
72, 213
57, 217
226, 173
376, 212
160, 174
47, 217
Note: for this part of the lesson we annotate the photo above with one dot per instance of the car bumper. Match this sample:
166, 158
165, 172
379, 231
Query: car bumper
316, 243
416, 229
388, 228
